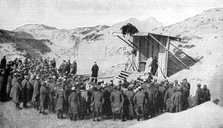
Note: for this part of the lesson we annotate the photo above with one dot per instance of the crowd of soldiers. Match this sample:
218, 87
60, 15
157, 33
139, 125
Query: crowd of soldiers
39, 84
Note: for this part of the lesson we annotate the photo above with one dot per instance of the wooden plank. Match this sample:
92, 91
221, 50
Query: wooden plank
125, 72
124, 41
162, 72
167, 55
108, 77
135, 58
120, 78
162, 58
168, 51
133, 44
183, 52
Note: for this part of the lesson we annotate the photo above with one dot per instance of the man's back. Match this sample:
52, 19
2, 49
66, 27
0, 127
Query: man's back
139, 97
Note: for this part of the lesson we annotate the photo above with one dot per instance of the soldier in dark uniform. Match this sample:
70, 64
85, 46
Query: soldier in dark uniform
53, 64
17, 90
74, 68
51, 103
150, 102
154, 66
117, 100
89, 93
67, 93
140, 102
42, 97
67, 67
154, 88
36, 89
3, 62
206, 94
97, 100
186, 93
167, 98
60, 97
160, 97
1, 84
177, 100
107, 104
74, 101
26, 91
199, 94
130, 108
83, 102
94, 71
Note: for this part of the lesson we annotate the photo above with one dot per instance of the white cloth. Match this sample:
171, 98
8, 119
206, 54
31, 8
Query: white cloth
148, 65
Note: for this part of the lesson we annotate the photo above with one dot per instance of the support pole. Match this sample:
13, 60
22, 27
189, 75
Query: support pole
124, 41
183, 52
167, 55
162, 72
133, 44
168, 50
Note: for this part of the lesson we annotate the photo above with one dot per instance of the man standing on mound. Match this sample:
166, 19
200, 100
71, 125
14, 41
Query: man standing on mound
94, 71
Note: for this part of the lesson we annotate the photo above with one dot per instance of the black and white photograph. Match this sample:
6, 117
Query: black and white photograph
111, 63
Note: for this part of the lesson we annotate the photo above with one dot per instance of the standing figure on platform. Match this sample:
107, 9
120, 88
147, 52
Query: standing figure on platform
154, 66
94, 71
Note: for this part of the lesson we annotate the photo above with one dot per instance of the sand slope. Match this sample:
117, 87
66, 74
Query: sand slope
207, 115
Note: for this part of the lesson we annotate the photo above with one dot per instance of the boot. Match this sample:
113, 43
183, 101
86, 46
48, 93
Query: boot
61, 116
93, 114
98, 115
114, 116
58, 116
71, 117
123, 118
75, 117
138, 118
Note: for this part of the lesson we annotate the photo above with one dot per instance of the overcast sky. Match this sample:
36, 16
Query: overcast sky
70, 14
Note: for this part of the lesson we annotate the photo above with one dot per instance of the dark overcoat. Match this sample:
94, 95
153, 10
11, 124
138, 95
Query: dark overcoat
130, 94
177, 101
73, 101
60, 98
17, 92
83, 102
42, 97
117, 101
139, 100
95, 70
36, 91
97, 100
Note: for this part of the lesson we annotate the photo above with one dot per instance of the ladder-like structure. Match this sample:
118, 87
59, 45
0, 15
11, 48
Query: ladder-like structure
123, 75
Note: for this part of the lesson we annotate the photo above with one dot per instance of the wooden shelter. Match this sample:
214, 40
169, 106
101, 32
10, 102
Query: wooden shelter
148, 45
